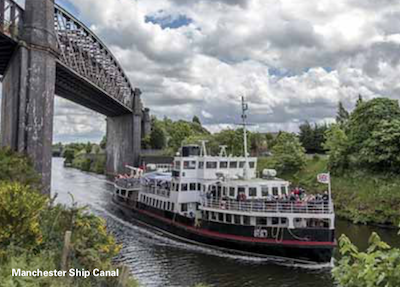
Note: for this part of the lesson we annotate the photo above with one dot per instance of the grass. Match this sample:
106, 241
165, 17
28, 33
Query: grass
359, 196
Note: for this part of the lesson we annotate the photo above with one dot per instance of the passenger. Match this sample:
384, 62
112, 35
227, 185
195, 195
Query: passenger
325, 197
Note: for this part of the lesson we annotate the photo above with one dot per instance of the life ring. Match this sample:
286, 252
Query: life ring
222, 204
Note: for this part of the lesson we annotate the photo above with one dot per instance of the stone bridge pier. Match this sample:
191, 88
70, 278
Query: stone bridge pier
28, 89
124, 137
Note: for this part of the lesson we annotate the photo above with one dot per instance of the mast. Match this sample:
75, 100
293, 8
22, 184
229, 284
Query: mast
245, 107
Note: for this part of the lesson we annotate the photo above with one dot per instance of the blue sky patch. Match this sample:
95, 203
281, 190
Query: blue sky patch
169, 21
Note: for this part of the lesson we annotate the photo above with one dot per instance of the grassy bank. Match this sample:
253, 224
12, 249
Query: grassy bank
359, 196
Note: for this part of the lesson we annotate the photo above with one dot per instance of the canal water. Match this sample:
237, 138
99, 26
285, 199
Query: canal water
157, 261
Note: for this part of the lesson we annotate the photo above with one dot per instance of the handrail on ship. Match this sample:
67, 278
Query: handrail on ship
254, 206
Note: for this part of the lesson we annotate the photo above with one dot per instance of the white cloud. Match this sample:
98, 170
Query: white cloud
293, 59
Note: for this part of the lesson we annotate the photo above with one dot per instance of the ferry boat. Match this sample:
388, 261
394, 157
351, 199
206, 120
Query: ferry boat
219, 201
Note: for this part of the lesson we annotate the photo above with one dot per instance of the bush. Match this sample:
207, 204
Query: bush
20, 210
17, 168
378, 266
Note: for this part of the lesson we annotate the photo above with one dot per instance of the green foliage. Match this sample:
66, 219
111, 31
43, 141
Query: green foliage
312, 137
157, 136
367, 117
17, 168
288, 153
381, 150
103, 143
32, 234
342, 115
69, 155
378, 266
196, 120
20, 211
359, 196
337, 146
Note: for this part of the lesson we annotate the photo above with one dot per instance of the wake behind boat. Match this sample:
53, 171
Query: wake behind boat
219, 201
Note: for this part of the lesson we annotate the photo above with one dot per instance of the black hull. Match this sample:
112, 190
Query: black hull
302, 252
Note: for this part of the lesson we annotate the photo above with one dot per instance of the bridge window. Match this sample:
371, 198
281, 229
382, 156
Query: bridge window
184, 207
283, 189
123, 192
175, 173
176, 186
193, 186
275, 191
224, 191
232, 191
241, 189
189, 164
261, 221
246, 220
184, 186
178, 164
233, 164
252, 164
264, 191
211, 164
223, 164
198, 186
228, 218
253, 191
237, 219
201, 164
241, 164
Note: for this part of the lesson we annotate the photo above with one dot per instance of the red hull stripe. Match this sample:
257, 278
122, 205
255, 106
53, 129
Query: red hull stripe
214, 234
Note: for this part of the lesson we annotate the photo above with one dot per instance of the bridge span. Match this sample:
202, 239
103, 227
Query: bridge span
46, 51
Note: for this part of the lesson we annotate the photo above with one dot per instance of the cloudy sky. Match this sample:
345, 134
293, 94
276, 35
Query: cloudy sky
292, 59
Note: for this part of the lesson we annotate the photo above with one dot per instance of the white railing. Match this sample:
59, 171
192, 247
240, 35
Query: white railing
312, 207
156, 190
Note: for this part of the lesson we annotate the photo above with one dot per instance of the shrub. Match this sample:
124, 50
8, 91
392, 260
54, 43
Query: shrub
20, 211
378, 266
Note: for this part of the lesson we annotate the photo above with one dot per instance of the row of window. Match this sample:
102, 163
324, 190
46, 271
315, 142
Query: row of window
262, 191
233, 191
157, 203
214, 164
244, 220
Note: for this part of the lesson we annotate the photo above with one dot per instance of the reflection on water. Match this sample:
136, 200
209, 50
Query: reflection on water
159, 261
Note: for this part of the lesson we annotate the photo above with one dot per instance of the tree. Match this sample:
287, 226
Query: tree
382, 149
337, 146
88, 147
196, 120
367, 118
103, 143
312, 137
288, 155
359, 100
157, 136
342, 115
306, 136
378, 266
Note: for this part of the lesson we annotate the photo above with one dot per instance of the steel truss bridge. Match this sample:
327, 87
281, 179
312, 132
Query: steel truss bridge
86, 72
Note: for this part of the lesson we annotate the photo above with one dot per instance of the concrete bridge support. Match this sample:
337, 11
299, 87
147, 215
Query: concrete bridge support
28, 90
124, 134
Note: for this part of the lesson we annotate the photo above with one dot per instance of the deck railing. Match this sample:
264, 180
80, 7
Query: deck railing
255, 206
156, 190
